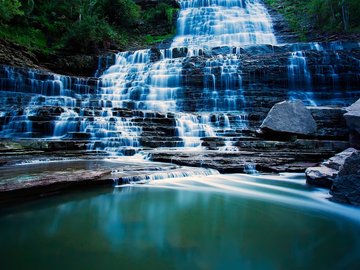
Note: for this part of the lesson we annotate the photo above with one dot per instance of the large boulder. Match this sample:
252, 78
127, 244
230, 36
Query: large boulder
346, 187
352, 117
325, 174
289, 117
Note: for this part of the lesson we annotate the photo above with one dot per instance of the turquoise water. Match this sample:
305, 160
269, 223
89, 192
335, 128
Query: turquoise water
213, 222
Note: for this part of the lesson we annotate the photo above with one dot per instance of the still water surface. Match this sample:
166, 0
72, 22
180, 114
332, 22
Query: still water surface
213, 222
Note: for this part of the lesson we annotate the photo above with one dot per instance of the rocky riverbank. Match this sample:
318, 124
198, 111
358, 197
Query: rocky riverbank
341, 172
35, 174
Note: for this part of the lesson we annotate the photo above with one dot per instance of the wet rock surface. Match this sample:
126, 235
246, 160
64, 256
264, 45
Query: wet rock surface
272, 153
266, 156
235, 145
36, 176
325, 174
346, 187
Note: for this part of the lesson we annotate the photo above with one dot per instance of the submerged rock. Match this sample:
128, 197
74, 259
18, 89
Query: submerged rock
289, 117
325, 174
352, 117
346, 187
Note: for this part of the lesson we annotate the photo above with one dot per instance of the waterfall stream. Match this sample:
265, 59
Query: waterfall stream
203, 87
135, 82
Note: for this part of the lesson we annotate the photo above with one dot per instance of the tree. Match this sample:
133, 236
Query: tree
345, 14
122, 13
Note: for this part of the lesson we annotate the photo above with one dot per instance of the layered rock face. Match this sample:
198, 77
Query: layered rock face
200, 95
224, 100
267, 75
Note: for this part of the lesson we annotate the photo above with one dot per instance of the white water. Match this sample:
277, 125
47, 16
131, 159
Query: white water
225, 94
214, 23
286, 189
137, 83
181, 173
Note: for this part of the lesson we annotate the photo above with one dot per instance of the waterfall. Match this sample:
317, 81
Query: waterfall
326, 71
196, 94
225, 94
137, 82
214, 23
175, 173
300, 80
250, 168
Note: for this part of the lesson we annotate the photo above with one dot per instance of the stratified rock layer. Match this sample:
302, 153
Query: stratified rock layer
38, 105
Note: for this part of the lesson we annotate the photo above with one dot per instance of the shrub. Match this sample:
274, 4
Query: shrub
9, 9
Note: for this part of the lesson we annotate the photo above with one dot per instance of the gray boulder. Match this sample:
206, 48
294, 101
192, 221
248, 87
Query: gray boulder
321, 176
325, 174
352, 117
289, 117
346, 187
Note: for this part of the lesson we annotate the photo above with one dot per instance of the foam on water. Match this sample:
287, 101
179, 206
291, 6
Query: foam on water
217, 23
287, 189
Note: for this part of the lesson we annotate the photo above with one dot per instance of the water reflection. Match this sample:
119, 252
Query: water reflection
217, 222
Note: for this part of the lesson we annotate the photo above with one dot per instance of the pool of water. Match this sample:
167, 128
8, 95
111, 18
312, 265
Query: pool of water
214, 222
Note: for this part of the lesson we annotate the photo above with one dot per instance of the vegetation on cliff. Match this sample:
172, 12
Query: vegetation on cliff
85, 26
307, 17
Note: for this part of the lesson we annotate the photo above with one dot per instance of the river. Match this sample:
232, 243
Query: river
206, 222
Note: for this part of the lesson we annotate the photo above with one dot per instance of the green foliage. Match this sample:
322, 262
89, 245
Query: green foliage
160, 12
331, 16
120, 12
27, 36
87, 34
82, 25
9, 9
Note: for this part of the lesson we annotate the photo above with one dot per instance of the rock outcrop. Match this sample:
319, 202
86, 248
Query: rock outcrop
325, 174
346, 187
352, 117
289, 117
215, 87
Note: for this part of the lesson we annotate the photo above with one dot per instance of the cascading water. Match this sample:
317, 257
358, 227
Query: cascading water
327, 69
300, 81
136, 82
225, 94
54, 98
143, 96
215, 23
